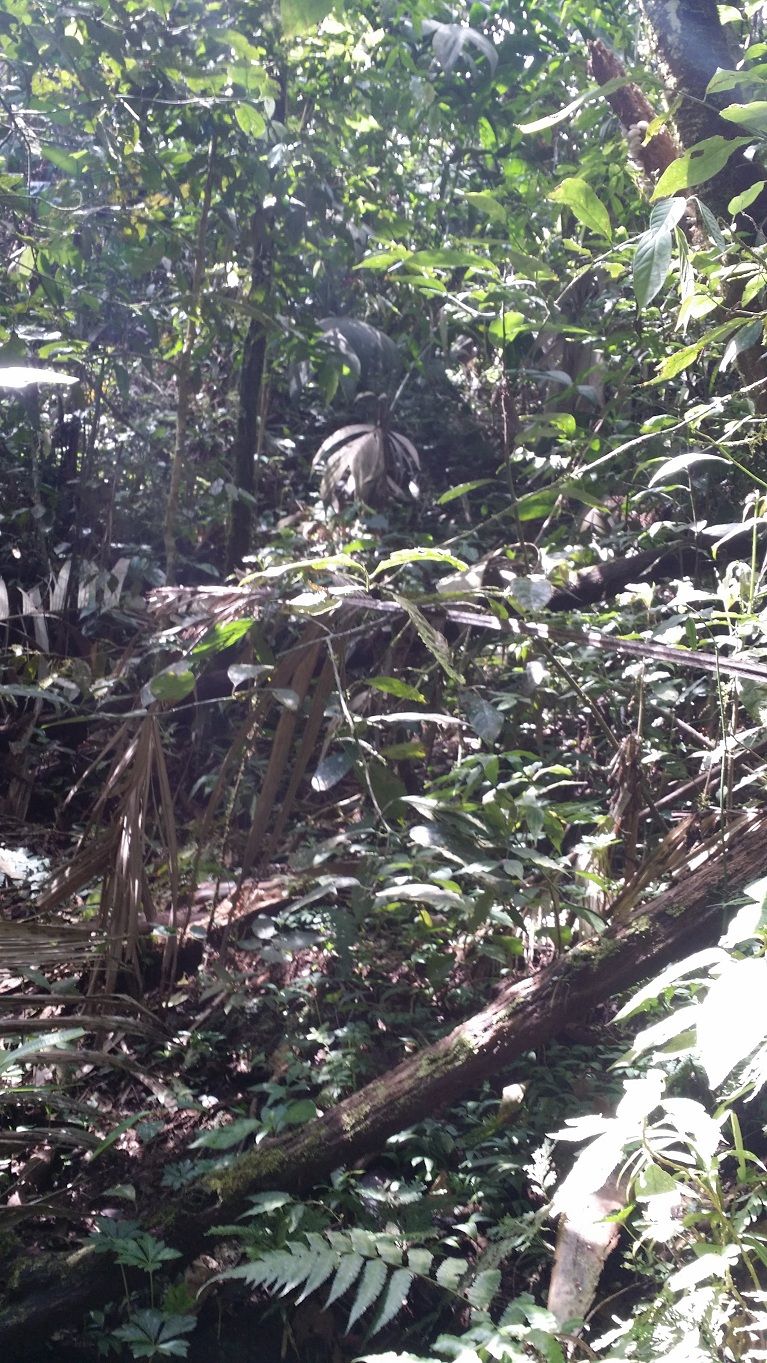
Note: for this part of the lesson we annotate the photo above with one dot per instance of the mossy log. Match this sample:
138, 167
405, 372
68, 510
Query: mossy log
681, 920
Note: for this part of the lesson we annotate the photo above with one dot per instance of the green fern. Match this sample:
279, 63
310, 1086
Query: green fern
372, 1265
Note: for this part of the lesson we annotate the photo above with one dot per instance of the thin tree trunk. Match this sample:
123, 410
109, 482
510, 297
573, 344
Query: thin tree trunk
246, 442
683, 919
184, 378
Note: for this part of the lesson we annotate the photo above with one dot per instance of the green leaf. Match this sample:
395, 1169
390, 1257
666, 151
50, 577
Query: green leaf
418, 555
683, 358
450, 1272
222, 636
450, 258
371, 1285
753, 115
461, 489
393, 1302
700, 163
420, 892
25, 376
300, 1111
480, 1293
485, 202
508, 326
332, 769
224, 1137
652, 258
392, 686
744, 200
588, 208
347, 1273
485, 720
62, 160
743, 339
733, 1019
670, 467
173, 684
301, 16
654, 1182
723, 79
551, 120
250, 120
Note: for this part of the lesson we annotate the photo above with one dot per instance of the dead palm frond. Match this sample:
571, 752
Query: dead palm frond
369, 463
135, 798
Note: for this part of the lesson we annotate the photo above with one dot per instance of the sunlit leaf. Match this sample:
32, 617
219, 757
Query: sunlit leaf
680, 463
551, 120
697, 165
22, 376
588, 208
753, 115
301, 16
250, 120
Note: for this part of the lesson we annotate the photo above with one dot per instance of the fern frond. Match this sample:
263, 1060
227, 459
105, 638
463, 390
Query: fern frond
371, 1286
347, 1273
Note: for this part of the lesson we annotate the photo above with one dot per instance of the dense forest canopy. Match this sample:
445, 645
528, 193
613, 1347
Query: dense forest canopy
383, 694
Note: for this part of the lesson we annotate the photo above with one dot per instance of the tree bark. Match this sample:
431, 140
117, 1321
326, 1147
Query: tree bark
681, 920
692, 44
631, 106
247, 437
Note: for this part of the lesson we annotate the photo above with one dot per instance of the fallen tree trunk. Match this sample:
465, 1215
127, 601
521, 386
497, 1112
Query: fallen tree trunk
684, 918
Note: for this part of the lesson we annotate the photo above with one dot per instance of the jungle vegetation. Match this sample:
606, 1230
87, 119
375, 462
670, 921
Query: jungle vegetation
383, 680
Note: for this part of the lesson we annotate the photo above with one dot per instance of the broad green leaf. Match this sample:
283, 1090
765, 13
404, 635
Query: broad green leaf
742, 340
530, 593
174, 683
450, 258
723, 79
62, 160
753, 115
529, 265
742, 201
461, 490
671, 467
301, 16
418, 555
588, 208
300, 1111
485, 720
224, 1137
551, 120
393, 686
676, 364
250, 120
652, 258
506, 327
222, 636
700, 163
654, 1182
24, 376
697, 964
733, 1019
485, 202
383, 260
333, 769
